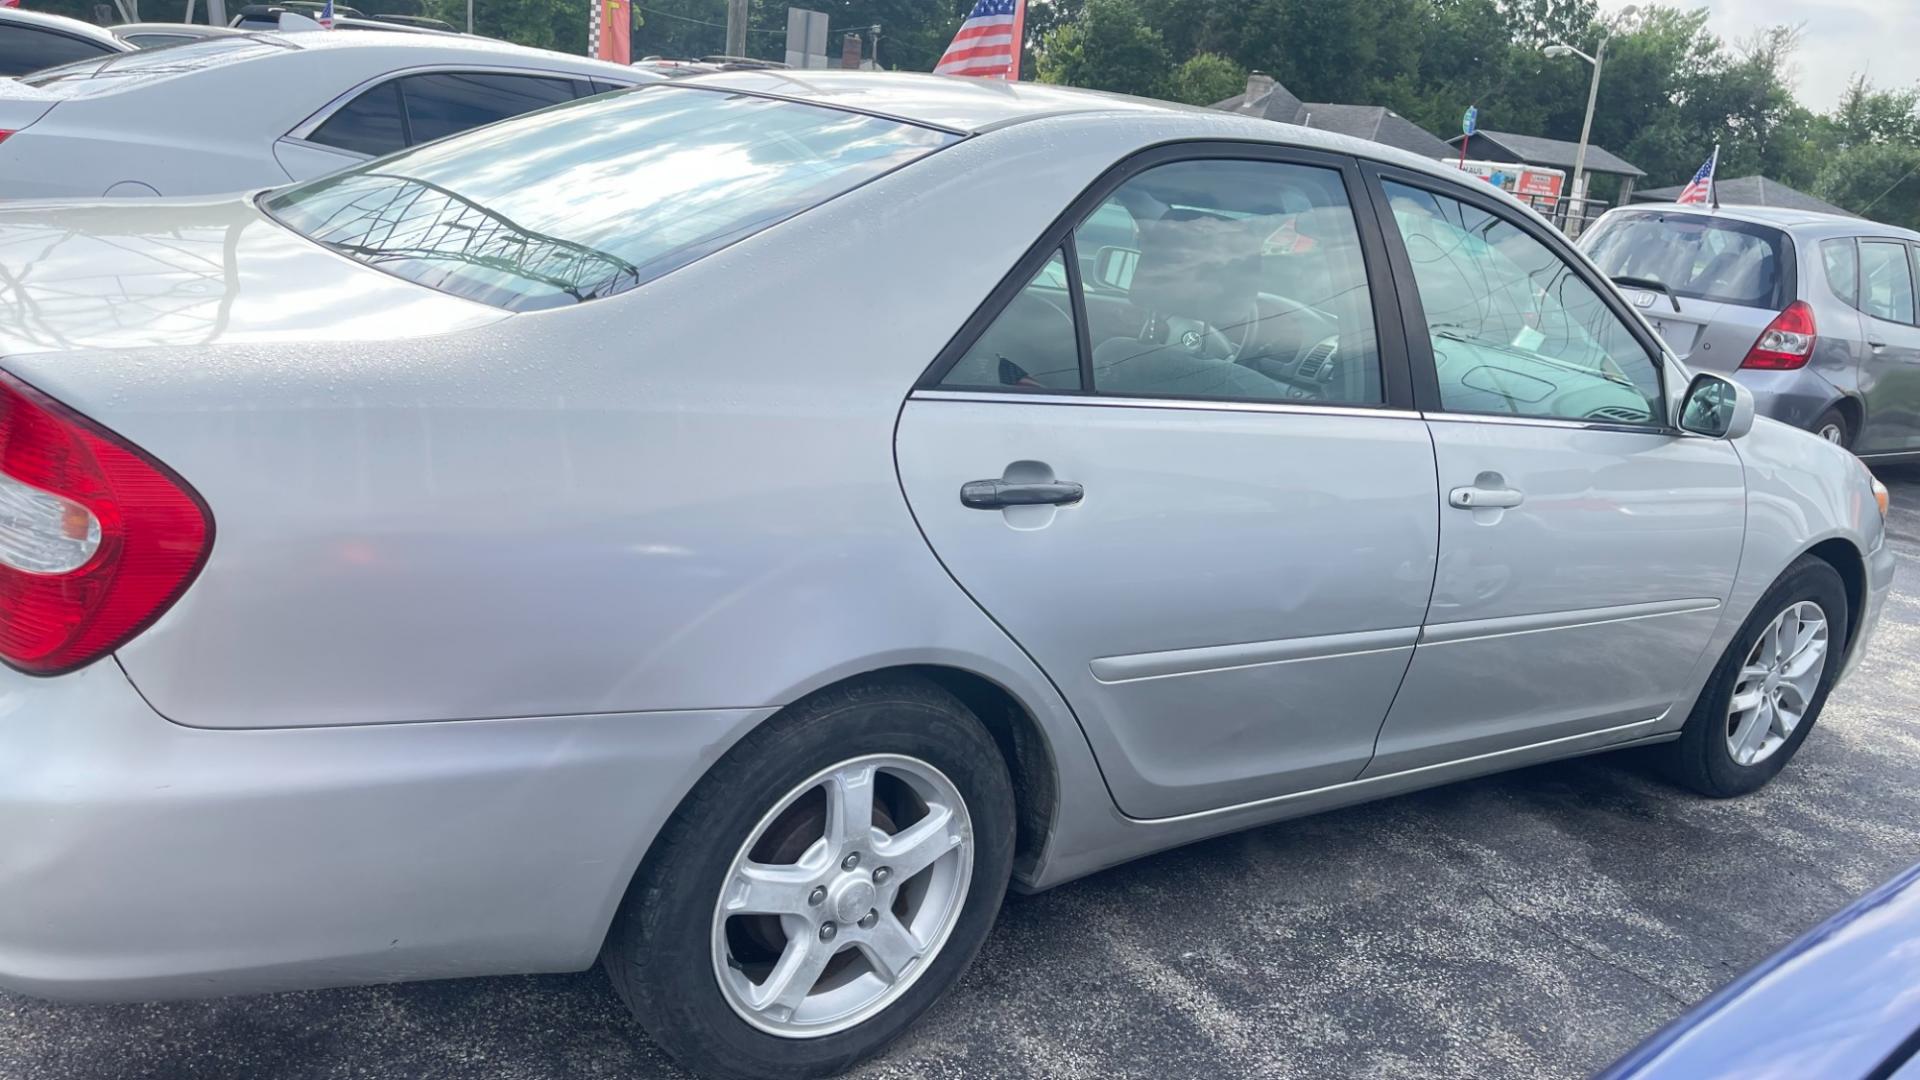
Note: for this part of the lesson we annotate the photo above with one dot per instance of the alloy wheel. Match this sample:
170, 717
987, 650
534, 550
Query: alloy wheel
842, 895
1777, 684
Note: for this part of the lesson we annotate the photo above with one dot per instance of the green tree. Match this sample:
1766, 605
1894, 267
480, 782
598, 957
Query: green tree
1875, 180
1203, 79
1109, 47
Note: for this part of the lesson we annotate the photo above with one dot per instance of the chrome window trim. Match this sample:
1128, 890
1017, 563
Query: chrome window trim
1552, 422
1112, 401
325, 113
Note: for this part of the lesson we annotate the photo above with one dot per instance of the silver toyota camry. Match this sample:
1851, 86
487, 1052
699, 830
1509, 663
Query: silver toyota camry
734, 529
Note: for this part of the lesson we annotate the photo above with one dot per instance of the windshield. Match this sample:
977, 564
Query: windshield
102, 74
598, 196
1733, 262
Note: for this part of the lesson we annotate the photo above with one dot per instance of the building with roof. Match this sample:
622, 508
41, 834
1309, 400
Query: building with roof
1267, 99
1751, 191
1552, 153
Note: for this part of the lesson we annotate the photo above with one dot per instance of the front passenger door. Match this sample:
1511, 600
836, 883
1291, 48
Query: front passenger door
1586, 547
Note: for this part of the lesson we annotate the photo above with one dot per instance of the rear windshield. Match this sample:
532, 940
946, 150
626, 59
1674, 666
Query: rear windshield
592, 198
101, 75
1706, 258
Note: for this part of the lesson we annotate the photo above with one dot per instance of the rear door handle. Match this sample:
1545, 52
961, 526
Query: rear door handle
1876, 346
1479, 498
1000, 494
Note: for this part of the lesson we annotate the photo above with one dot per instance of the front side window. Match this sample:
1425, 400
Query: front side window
1515, 330
1886, 281
1843, 270
598, 196
1226, 279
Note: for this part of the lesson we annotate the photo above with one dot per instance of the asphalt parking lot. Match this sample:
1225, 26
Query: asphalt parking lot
1534, 924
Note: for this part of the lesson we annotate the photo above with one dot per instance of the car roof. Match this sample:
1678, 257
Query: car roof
195, 29
1806, 223
412, 38
61, 23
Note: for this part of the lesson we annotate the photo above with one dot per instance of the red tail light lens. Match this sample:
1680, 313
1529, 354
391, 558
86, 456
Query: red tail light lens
96, 538
1786, 343
3, 134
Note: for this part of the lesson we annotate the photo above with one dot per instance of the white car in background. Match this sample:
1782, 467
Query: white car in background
291, 107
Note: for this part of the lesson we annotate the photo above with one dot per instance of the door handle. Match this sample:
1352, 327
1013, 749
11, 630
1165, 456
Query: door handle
1000, 494
1876, 346
1479, 498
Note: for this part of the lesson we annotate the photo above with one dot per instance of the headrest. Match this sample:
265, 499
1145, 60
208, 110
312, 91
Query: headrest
1197, 266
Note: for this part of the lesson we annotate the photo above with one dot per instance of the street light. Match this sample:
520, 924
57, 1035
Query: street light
1557, 50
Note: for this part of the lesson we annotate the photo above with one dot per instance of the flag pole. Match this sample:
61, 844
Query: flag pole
1713, 178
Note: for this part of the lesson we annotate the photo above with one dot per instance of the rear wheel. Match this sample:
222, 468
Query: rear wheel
1833, 427
1768, 688
821, 887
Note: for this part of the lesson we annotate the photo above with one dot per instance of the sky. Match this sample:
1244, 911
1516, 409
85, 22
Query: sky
1838, 38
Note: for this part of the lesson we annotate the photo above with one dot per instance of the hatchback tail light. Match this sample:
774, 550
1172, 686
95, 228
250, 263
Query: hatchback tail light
96, 538
1786, 343
3, 134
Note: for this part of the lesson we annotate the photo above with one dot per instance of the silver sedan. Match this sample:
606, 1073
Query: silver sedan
734, 528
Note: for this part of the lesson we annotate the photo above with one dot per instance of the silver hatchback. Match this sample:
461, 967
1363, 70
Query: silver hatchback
1814, 312
734, 529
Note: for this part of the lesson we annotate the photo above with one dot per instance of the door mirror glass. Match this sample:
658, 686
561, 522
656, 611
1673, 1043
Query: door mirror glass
1113, 267
1717, 408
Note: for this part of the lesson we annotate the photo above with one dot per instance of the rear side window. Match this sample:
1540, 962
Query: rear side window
25, 48
1886, 281
1031, 345
447, 103
596, 197
369, 124
1706, 258
1843, 270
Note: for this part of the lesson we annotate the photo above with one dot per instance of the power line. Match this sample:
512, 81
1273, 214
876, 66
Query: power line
1889, 191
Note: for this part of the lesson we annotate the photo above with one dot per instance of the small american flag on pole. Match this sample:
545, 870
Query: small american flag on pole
988, 44
1700, 188
326, 16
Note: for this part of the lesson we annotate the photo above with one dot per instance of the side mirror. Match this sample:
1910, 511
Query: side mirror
1716, 407
1113, 267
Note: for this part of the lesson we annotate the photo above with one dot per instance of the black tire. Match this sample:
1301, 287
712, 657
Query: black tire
659, 951
1701, 759
1835, 419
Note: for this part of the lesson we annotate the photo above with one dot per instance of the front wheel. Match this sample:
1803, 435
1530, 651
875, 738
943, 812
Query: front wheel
1768, 688
821, 887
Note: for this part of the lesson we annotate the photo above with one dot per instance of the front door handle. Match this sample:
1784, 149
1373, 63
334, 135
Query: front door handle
1479, 498
1000, 494
1876, 346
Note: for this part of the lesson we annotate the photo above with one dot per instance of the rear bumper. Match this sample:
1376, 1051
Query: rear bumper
1795, 397
143, 859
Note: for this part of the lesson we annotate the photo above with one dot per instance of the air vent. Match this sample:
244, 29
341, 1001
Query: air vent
1620, 413
1315, 362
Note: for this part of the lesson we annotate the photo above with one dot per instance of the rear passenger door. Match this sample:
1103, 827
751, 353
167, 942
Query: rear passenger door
1890, 370
400, 112
1174, 457
1586, 546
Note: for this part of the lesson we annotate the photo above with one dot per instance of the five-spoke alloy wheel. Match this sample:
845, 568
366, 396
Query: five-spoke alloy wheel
821, 885
817, 944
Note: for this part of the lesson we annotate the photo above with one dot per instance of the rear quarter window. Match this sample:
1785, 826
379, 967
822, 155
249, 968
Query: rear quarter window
1843, 269
1698, 256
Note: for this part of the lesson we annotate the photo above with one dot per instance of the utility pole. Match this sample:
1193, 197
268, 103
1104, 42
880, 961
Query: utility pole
469, 16
736, 27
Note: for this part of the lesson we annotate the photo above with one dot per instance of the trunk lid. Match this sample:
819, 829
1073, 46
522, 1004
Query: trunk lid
21, 105
140, 273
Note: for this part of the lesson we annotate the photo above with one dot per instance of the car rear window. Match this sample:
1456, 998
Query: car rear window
87, 78
1706, 258
595, 197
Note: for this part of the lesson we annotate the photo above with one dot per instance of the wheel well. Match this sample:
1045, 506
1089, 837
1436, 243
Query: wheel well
1845, 559
1023, 745
1850, 409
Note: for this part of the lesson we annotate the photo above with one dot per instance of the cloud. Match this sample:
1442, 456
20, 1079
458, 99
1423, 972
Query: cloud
1838, 38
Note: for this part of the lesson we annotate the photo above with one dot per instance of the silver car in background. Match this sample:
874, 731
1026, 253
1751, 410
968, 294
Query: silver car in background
1814, 312
735, 528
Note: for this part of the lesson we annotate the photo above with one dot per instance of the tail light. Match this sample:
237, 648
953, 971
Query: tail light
96, 538
1786, 343
3, 134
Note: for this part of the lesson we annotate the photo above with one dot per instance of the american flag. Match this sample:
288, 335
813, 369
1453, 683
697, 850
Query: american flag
1700, 188
326, 16
988, 44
